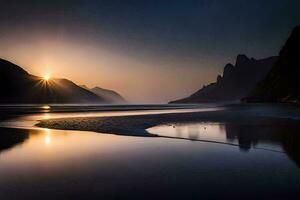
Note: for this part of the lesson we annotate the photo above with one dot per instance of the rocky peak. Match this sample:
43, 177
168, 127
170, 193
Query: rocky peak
227, 69
219, 78
242, 59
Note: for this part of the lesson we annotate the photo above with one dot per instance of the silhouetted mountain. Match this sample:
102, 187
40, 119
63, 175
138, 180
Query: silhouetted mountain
84, 87
18, 86
237, 81
282, 83
108, 95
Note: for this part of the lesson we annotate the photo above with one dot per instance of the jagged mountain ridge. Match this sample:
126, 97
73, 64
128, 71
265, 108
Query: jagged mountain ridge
236, 82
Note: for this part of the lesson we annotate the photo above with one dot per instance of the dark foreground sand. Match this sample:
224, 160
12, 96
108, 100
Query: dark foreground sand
137, 125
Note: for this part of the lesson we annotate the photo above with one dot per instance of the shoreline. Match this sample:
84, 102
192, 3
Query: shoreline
137, 125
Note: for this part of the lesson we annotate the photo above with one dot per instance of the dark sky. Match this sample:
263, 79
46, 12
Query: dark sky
145, 37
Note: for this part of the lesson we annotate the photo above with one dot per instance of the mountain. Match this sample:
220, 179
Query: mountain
18, 86
282, 83
236, 82
108, 95
84, 87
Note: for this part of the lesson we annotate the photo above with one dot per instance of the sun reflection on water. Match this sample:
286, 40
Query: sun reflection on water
47, 138
46, 116
46, 107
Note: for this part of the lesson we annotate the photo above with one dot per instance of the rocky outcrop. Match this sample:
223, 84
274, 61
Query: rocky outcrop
282, 83
236, 81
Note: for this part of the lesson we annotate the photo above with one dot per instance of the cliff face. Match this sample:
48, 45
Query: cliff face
282, 83
18, 86
236, 82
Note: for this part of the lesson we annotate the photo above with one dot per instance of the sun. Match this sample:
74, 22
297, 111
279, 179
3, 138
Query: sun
47, 77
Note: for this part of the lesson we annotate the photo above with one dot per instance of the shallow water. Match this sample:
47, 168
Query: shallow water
26, 116
249, 162
245, 136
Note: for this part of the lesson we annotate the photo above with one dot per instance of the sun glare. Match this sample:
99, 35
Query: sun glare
46, 77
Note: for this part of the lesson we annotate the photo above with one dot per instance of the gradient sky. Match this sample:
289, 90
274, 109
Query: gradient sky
148, 51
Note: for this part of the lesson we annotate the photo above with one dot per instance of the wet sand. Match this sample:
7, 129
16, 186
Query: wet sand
138, 125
